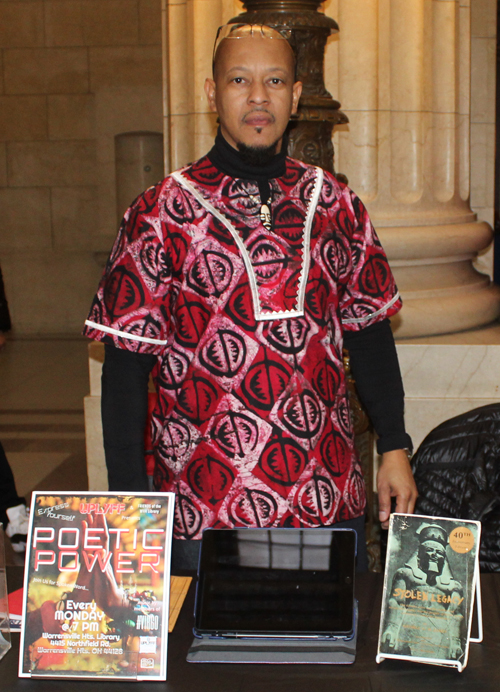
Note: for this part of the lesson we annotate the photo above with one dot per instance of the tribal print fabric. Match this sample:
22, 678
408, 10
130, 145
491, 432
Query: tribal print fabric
252, 424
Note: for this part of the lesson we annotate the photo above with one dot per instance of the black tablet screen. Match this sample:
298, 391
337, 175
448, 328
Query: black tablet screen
276, 581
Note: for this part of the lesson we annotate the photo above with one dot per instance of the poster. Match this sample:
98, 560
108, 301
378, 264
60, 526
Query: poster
96, 590
429, 587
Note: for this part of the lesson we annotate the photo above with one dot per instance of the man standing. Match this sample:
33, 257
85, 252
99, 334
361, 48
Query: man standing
236, 281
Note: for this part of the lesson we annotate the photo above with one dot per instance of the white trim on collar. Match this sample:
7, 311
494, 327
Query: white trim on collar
260, 314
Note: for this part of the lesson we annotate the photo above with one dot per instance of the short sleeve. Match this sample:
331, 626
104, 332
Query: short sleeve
131, 307
368, 291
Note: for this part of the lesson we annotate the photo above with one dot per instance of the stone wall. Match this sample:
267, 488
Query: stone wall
73, 73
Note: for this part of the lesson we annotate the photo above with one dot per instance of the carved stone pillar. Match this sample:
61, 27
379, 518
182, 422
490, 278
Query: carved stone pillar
403, 73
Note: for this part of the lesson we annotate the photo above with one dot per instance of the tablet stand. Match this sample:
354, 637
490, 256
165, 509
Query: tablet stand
208, 649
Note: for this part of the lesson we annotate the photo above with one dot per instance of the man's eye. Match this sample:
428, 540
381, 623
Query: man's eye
238, 80
276, 81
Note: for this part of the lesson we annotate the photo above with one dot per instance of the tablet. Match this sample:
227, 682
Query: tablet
276, 583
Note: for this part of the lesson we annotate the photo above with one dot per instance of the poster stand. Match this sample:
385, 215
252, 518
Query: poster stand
431, 585
479, 609
97, 586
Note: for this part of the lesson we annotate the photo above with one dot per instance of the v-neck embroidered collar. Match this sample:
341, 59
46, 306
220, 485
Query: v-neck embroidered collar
229, 160
260, 312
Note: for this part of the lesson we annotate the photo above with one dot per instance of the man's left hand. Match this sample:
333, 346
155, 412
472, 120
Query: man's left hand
395, 479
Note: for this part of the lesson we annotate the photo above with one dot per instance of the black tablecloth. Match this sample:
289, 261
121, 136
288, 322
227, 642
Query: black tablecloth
481, 675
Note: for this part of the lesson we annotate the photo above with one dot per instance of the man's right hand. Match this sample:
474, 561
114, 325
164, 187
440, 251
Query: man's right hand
395, 479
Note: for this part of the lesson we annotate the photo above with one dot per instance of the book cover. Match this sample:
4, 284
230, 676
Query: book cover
96, 586
429, 587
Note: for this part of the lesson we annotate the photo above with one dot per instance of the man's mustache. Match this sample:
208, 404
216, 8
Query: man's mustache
257, 111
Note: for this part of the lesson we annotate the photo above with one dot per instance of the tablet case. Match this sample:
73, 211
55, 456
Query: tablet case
241, 650
207, 648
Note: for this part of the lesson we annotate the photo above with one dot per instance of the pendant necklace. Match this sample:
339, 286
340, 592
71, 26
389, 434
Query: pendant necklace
265, 209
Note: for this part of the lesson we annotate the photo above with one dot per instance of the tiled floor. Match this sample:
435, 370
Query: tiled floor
42, 385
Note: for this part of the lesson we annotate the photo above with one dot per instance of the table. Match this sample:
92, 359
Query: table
481, 675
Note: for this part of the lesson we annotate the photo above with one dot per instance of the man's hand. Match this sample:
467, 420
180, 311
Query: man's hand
395, 479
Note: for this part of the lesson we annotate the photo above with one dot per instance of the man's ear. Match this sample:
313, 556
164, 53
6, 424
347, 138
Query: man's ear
296, 92
210, 92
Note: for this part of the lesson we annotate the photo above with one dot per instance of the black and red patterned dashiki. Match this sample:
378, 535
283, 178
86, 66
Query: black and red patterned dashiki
252, 425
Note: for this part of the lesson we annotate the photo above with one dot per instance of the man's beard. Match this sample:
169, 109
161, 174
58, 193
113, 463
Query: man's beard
257, 156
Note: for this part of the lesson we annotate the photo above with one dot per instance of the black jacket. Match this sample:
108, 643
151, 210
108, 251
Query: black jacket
457, 472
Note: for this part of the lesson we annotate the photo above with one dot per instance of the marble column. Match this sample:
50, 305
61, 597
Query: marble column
401, 69
189, 29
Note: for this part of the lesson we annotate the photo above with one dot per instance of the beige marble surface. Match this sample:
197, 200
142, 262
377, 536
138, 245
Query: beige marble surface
96, 359
447, 375
72, 75
450, 371
488, 335
423, 415
96, 462
408, 147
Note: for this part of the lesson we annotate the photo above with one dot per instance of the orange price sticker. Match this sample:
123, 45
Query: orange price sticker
461, 540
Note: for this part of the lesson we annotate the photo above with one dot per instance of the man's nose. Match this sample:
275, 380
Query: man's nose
258, 93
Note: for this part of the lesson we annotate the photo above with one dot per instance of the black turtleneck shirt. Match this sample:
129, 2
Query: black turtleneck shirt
372, 351
229, 160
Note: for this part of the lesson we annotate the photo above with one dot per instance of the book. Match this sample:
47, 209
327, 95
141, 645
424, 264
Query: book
15, 610
96, 586
429, 587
